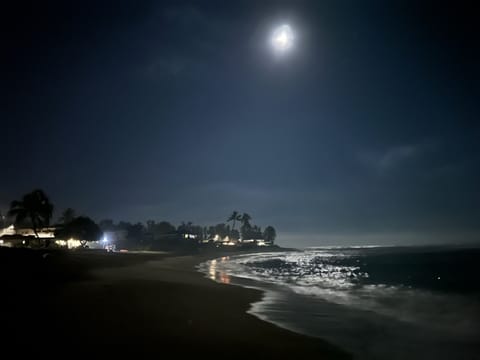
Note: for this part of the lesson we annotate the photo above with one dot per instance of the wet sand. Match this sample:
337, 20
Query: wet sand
145, 305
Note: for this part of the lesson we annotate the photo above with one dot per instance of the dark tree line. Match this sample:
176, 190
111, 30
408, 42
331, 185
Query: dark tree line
35, 210
250, 231
165, 235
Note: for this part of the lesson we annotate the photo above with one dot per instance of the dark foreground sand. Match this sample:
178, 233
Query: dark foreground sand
133, 305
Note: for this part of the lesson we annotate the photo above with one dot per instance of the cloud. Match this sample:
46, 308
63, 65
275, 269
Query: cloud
394, 157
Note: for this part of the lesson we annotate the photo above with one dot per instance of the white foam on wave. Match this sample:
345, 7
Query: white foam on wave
312, 293
449, 313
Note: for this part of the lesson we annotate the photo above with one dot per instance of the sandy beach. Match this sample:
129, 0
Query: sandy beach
138, 304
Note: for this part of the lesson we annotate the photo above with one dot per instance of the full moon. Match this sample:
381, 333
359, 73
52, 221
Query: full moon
282, 38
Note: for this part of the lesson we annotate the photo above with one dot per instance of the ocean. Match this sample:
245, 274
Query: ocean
375, 302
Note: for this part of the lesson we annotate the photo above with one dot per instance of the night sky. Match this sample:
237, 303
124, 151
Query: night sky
367, 131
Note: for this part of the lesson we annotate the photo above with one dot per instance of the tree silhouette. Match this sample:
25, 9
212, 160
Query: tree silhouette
245, 229
81, 228
164, 228
67, 216
35, 207
269, 234
107, 225
245, 219
221, 230
234, 217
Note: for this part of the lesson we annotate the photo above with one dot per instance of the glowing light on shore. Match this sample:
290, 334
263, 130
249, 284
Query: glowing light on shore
216, 274
70, 243
212, 272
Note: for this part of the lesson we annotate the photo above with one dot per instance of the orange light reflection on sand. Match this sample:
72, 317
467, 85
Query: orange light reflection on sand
216, 274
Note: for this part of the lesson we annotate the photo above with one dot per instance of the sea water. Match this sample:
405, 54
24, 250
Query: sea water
375, 302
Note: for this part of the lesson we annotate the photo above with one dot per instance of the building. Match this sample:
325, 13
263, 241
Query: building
12, 236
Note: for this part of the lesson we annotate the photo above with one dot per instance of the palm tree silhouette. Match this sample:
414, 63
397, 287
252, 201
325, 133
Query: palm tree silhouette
34, 206
245, 229
234, 217
245, 219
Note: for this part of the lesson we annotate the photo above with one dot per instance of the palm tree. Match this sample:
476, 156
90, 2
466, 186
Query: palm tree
234, 217
67, 216
245, 229
34, 206
245, 219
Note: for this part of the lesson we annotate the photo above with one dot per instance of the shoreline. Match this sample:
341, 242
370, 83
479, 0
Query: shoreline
145, 304
372, 329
